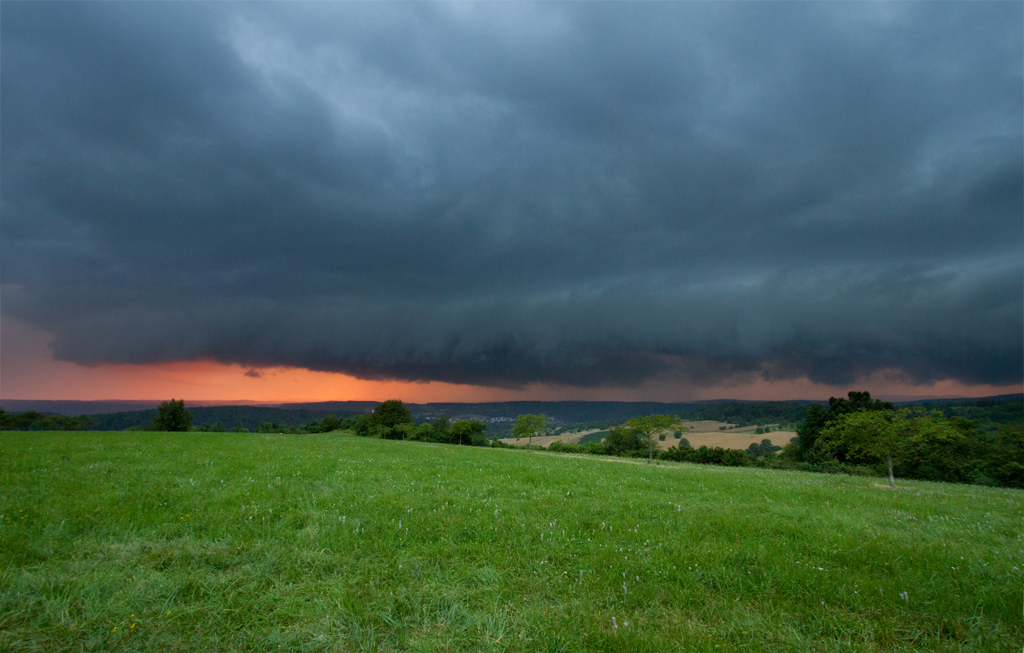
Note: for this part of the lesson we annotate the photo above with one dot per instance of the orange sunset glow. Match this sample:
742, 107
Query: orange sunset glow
29, 372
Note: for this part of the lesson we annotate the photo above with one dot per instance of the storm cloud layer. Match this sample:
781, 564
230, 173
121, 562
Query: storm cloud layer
500, 194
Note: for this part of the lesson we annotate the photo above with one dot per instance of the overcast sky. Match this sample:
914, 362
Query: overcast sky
592, 195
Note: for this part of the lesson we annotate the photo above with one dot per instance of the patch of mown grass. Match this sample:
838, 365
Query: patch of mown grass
150, 541
596, 436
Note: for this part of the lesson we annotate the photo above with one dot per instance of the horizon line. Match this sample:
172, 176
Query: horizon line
232, 402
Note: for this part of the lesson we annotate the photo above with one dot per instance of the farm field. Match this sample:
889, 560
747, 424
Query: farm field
703, 433
252, 542
708, 433
736, 439
547, 440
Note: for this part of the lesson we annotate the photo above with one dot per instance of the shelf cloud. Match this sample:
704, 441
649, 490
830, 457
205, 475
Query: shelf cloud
505, 194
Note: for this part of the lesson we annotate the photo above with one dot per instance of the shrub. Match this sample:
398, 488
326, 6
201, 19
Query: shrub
620, 440
763, 450
172, 416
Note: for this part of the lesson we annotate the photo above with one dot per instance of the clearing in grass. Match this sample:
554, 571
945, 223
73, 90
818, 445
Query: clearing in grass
229, 542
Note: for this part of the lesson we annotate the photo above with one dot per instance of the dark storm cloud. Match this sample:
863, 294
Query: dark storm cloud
507, 193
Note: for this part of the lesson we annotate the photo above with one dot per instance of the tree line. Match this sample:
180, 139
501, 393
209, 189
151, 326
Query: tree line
33, 421
919, 442
390, 420
861, 436
853, 435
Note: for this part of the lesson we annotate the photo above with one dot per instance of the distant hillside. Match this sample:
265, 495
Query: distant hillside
562, 411
333, 407
988, 413
119, 415
576, 412
230, 416
74, 408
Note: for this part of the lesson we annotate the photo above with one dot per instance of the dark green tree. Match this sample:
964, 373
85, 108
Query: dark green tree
406, 431
876, 437
621, 441
468, 432
1006, 456
856, 401
807, 433
425, 433
441, 426
387, 417
763, 450
363, 424
172, 416
391, 413
817, 418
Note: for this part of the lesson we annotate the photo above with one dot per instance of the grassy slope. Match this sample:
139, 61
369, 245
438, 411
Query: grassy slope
143, 541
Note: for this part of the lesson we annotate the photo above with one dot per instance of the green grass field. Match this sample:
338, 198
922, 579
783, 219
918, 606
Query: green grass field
239, 542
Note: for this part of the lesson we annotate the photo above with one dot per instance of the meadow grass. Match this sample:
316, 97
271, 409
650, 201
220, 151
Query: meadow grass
253, 542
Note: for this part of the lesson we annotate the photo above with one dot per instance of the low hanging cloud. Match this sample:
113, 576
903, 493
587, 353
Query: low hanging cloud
502, 194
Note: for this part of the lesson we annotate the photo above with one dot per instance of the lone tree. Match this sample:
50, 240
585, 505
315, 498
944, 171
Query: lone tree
172, 416
648, 428
527, 426
390, 415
